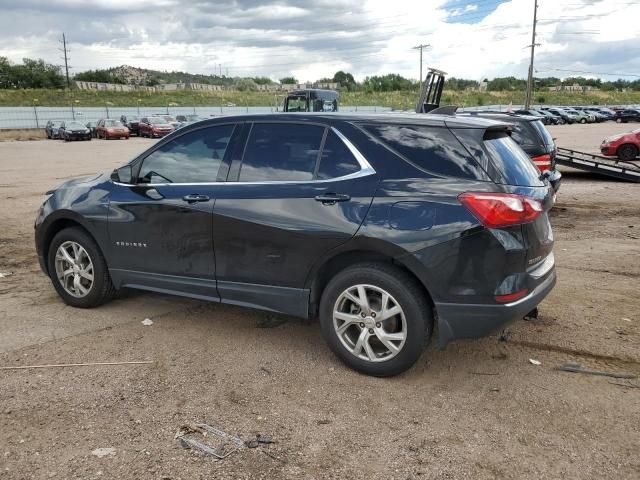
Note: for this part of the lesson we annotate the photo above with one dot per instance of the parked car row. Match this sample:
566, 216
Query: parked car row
153, 126
569, 115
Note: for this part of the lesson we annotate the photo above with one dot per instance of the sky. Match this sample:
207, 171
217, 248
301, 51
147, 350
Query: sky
313, 39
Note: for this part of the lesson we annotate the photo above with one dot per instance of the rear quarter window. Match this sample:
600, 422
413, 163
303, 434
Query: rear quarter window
432, 149
510, 164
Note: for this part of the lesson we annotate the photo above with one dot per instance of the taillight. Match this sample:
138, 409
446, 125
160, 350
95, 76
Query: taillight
497, 210
543, 162
511, 297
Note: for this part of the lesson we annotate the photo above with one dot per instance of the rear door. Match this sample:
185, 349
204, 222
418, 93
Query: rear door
298, 191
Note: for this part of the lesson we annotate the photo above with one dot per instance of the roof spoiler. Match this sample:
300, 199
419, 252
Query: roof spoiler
446, 110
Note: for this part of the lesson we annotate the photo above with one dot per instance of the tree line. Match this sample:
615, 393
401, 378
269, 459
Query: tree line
36, 73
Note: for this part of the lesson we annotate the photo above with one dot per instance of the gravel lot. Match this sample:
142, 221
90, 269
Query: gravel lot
478, 409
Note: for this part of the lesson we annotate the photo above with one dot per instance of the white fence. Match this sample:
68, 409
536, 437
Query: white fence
37, 117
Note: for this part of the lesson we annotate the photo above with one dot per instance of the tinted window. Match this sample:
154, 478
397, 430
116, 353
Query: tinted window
336, 160
194, 157
279, 151
523, 134
543, 132
431, 148
511, 165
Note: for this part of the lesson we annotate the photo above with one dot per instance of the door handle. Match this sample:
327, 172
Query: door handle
332, 198
194, 197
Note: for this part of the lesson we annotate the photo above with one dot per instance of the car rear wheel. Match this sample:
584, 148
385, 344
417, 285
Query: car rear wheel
583, 121
375, 318
618, 120
78, 269
627, 152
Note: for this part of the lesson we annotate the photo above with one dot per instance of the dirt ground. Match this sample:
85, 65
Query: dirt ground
478, 409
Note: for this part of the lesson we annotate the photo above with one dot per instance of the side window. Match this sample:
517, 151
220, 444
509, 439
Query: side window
434, 149
194, 157
336, 160
280, 152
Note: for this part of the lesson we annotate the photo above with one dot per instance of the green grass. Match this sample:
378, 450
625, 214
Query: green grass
404, 100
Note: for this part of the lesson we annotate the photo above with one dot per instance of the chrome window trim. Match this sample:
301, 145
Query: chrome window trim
365, 170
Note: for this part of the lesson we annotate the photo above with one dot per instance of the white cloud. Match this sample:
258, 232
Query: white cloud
312, 39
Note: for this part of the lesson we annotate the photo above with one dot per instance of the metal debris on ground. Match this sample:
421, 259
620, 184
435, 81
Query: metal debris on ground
252, 444
575, 368
226, 444
147, 322
533, 361
5, 274
262, 438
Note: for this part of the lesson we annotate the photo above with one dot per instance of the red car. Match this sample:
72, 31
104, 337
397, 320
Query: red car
154, 127
108, 128
625, 146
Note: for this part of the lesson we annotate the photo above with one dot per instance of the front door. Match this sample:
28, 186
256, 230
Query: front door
161, 227
299, 192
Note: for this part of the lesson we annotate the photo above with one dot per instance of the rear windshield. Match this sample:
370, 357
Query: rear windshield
511, 165
433, 149
544, 133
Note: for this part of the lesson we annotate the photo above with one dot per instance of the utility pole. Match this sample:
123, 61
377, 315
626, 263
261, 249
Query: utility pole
66, 59
527, 102
421, 47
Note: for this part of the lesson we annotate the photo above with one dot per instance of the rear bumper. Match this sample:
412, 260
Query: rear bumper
457, 321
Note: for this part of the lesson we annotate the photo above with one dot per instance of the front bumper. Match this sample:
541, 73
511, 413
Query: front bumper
607, 150
457, 321
79, 136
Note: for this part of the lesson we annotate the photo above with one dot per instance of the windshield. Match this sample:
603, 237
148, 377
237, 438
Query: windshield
192, 118
297, 104
75, 125
158, 121
112, 123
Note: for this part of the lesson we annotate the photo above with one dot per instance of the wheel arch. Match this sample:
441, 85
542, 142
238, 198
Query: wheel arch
318, 280
58, 224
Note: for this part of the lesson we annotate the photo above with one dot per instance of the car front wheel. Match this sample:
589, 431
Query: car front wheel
78, 269
376, 318
627, 152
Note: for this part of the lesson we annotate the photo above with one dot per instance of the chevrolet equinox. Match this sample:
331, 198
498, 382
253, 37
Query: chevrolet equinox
386, 228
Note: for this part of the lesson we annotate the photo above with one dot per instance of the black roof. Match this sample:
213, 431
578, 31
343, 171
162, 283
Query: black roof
451, 121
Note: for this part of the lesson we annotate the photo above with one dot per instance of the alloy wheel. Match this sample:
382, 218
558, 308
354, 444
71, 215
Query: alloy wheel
74, 269
370, 323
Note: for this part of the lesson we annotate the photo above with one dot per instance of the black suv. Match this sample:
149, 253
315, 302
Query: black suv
532, 136
131, 122
627, 115
381, 226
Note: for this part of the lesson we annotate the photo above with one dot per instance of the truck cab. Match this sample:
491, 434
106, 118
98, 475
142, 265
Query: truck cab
311, 100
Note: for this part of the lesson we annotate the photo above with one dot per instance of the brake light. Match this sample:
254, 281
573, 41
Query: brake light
543, 162
497, 210
511, 297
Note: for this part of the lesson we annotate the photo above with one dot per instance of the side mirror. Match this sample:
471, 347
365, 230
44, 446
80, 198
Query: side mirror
123, 175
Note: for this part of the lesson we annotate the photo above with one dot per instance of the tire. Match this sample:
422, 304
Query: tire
100, 290
627, 152
618, 120
583, 121
415, 319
